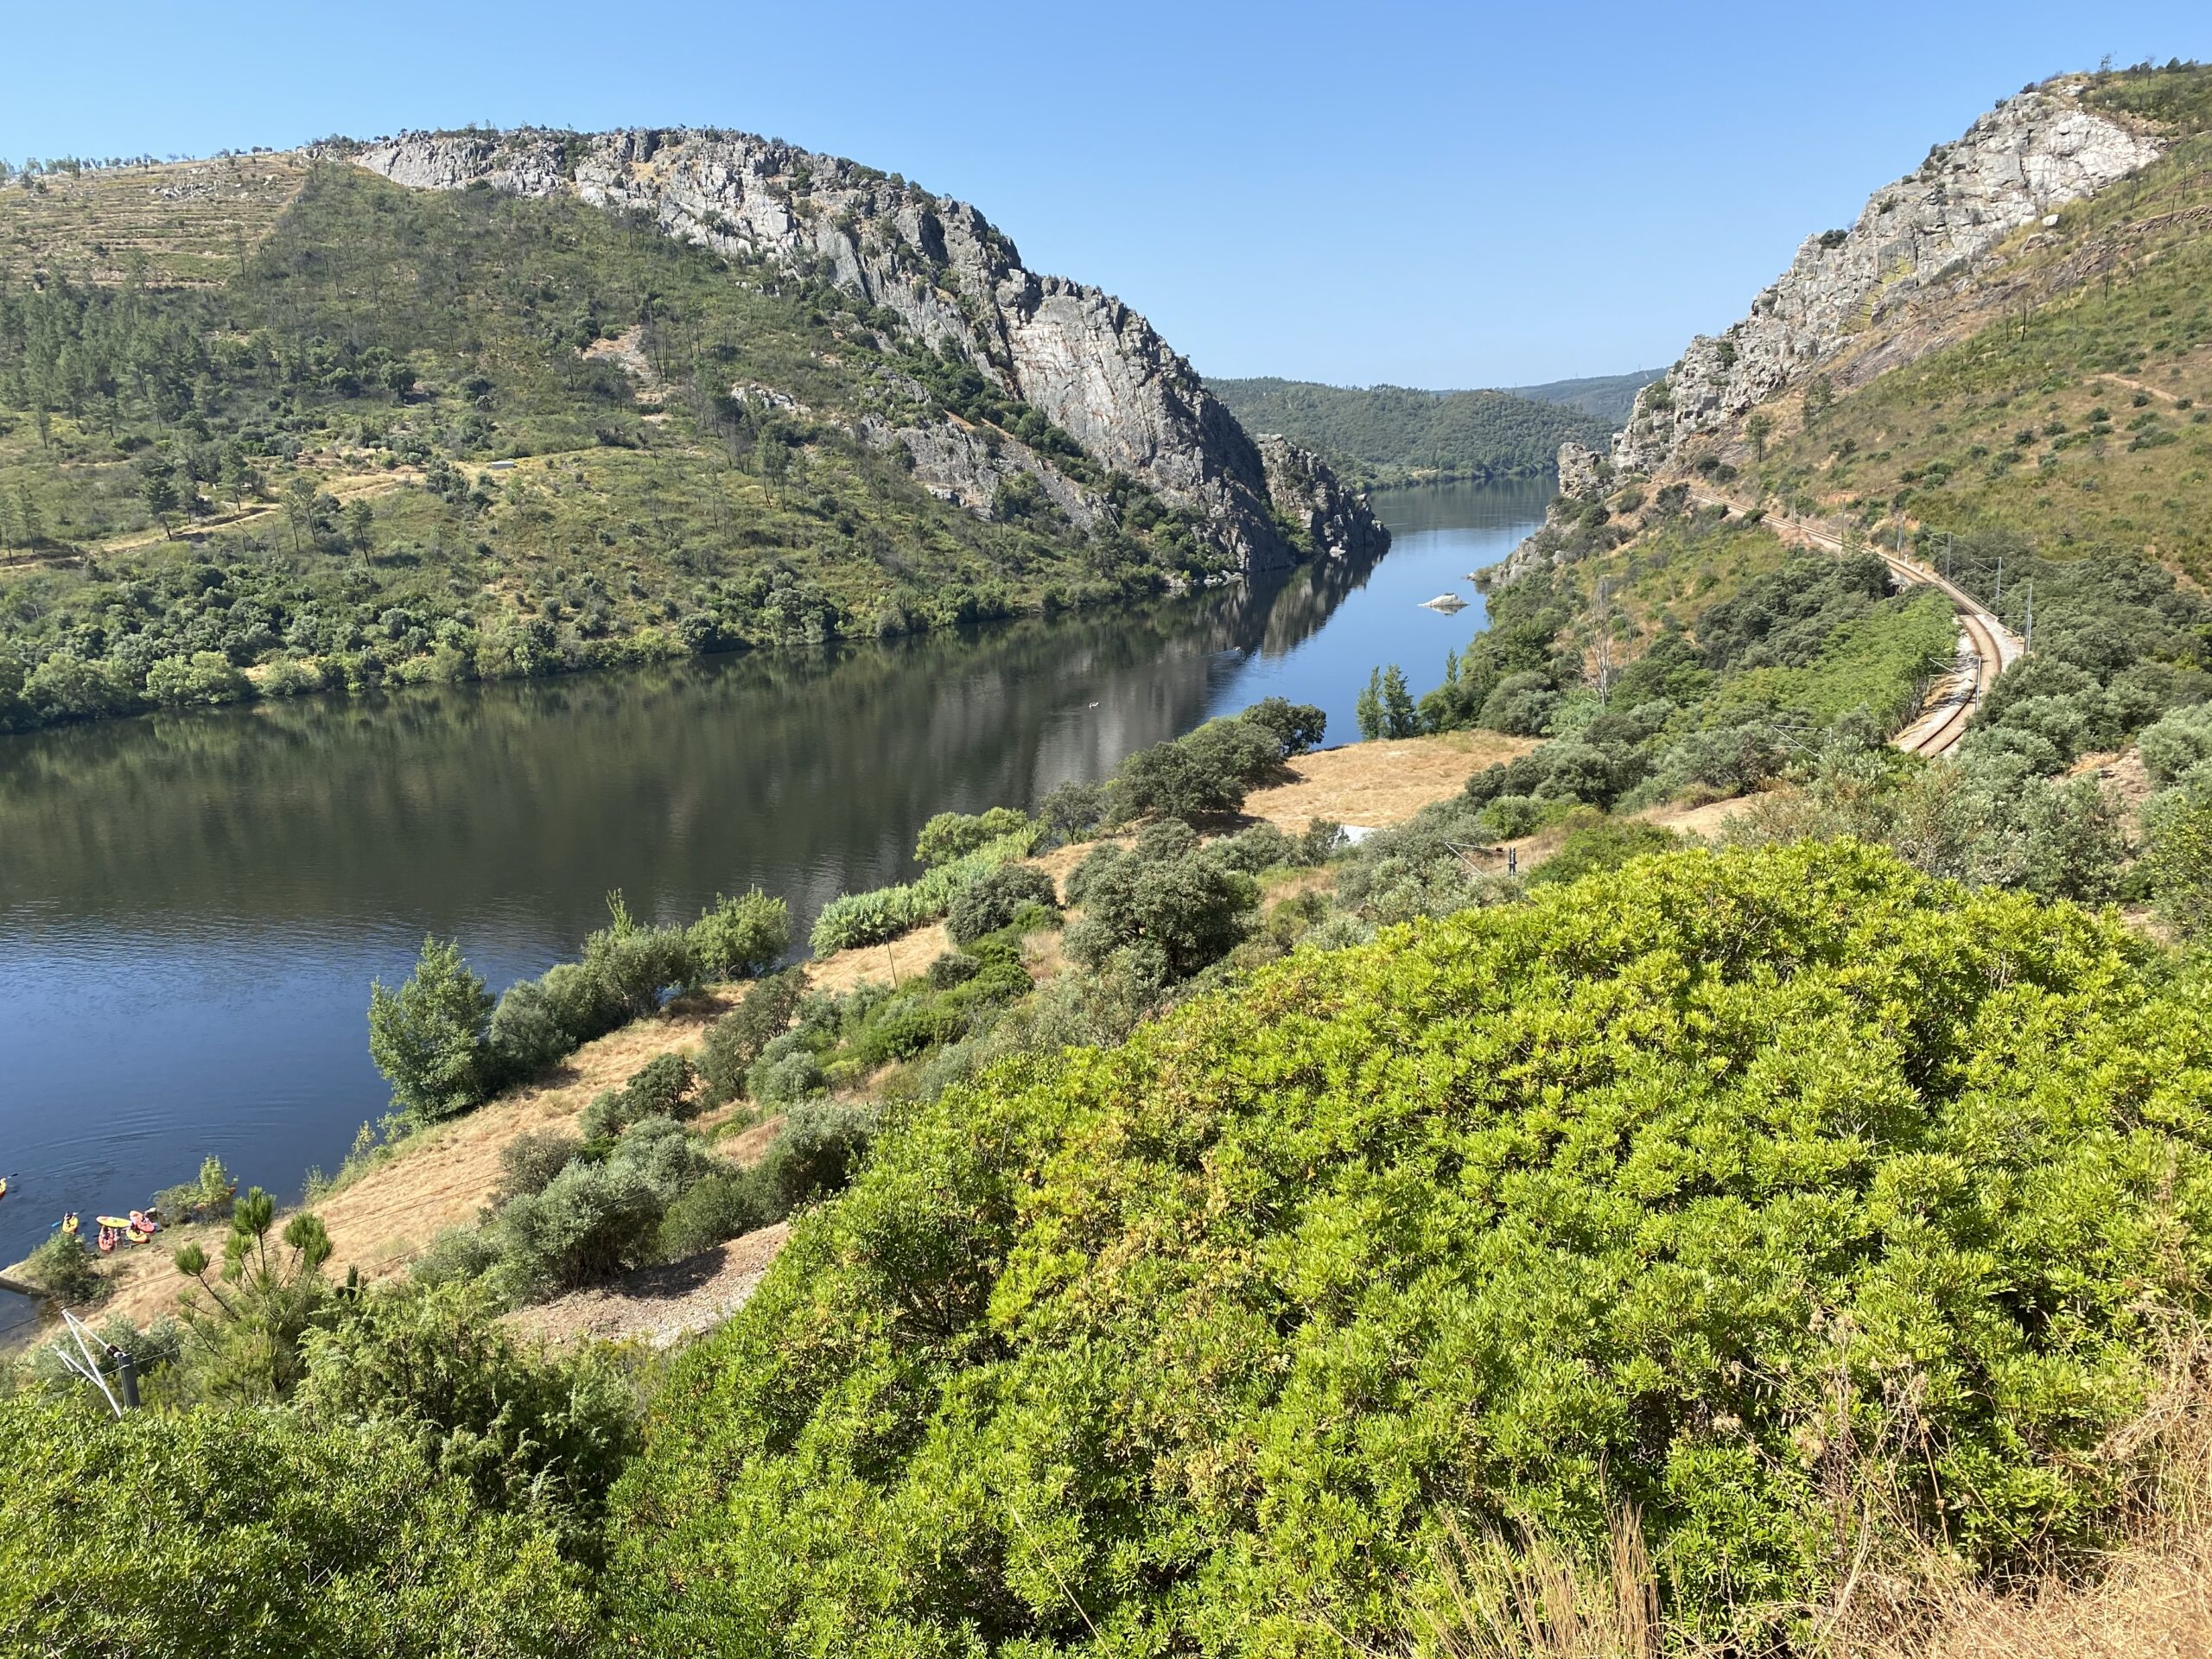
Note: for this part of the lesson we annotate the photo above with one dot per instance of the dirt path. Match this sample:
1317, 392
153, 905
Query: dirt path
661, 1305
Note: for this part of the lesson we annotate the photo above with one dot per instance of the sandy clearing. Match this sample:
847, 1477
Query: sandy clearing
661, 1305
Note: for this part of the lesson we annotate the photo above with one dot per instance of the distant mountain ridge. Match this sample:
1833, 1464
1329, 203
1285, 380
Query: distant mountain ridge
1608, 397
1392, 435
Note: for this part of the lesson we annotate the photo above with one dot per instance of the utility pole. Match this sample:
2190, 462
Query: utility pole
2000, 599
2028, 637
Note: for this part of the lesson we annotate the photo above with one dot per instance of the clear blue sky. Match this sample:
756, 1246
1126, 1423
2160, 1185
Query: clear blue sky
1430, 195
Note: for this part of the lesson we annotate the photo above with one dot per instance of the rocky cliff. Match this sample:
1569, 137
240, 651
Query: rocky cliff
2014, 166
1082, 359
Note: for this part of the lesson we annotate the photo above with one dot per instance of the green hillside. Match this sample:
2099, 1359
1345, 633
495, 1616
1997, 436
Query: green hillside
306, 428
1394, 435
1607, 396
1828, 1218
2077, 417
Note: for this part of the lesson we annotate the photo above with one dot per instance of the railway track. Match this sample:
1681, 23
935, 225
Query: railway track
1987, 646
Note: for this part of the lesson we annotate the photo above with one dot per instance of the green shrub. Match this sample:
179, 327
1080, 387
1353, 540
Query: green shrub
1072, 811
208, 1533
1297, 727
783, 1075
1827, 1214
887, 913
529, 1161
61, 1267
995, 898
721, 1206
950, 835
1595, 843
820, 1149
523, 1427
1203, 775
662, 1087
527, 1032
427, 1038
740, 937
1165, 897
637, 964
1262, 847
592, 1219
735, 1041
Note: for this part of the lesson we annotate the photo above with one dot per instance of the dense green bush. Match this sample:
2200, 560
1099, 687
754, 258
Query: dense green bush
1820, 1211
228, 1534
63, 1268
1165, 898
740, 937
950, 835
886, 913
735, 1041
719, 1206
1206, 773
427, 1037
594, 1219
524, 1429
994, 899
529, 1161
819, 1151
1595, 843
637, 964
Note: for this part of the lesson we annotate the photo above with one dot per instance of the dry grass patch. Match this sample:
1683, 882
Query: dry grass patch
1380, 782
440, 1177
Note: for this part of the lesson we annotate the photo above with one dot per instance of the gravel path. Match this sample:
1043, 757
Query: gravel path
661, 1305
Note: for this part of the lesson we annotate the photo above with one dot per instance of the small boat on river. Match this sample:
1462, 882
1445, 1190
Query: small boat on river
107, 1241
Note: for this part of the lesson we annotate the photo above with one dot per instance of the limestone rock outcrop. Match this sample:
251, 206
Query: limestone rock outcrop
1082, 359
1582, 470
1333, 520
2014, 166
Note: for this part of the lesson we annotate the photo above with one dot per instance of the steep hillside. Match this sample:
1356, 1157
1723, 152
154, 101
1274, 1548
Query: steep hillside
1608, 397
275, 423
1389, 435
1999, 371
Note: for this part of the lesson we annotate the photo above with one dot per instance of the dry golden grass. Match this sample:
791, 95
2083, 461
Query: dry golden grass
908, 957
1380, 782
439, 1178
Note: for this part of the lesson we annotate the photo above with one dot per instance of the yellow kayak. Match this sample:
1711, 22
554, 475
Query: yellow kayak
69, 1224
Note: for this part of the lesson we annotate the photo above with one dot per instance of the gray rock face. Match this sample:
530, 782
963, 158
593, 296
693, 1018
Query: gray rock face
2014, 168
1334, 519
1582, 470
1084, 361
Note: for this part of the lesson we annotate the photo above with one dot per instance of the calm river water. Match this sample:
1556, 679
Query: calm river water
191, 906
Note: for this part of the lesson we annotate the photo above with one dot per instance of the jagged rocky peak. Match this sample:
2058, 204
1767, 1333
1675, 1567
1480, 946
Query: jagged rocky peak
1081, 358
2015, 166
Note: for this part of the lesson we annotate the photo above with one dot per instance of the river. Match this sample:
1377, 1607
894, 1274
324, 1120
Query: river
192, 906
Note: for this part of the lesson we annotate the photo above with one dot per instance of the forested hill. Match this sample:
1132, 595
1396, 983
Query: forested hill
1608, 397
273, 423
1389, 435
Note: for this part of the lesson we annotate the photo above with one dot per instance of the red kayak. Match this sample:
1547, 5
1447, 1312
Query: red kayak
107, 1241
144, 1222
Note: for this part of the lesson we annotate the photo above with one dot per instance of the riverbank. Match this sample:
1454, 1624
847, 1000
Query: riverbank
443, 1176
